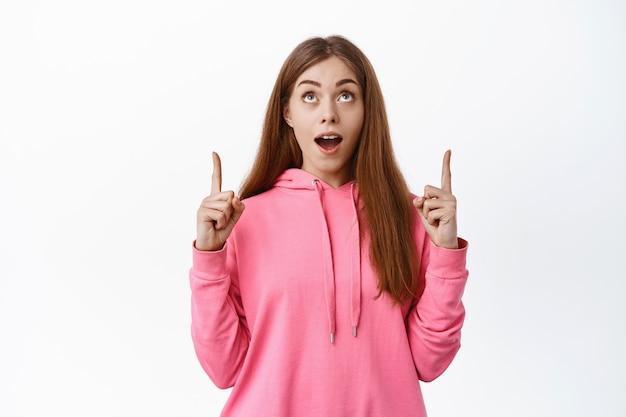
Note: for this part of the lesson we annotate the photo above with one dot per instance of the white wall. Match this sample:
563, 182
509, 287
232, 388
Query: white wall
109, 112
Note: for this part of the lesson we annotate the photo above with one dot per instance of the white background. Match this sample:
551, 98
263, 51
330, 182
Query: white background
109, 112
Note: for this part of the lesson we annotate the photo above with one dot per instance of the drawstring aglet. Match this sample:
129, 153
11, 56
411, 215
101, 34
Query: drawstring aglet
332, 337
354, 331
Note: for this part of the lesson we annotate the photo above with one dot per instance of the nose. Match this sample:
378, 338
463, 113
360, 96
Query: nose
329, 112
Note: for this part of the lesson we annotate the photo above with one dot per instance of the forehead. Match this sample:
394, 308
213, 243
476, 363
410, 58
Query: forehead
328, 71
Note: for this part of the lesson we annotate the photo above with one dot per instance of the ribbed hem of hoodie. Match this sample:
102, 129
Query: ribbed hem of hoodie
448, 263
209, 265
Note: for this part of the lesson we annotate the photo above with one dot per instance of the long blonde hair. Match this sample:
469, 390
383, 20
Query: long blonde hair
382, 188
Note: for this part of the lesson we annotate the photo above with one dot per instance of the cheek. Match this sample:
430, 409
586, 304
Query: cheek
357, 125
299, 135
356, 116
301, 124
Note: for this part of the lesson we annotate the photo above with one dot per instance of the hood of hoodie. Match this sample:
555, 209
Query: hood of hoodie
298, 179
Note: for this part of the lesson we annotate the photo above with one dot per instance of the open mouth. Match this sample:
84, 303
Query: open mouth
328, 142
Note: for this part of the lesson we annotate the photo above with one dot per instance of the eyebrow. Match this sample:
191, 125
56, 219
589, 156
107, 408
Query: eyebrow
337, 84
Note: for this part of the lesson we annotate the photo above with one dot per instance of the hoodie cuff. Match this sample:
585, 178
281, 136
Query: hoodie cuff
448, 263
209, 265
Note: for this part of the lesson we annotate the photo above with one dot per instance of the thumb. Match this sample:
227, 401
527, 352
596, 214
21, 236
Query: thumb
238, 208
418, 202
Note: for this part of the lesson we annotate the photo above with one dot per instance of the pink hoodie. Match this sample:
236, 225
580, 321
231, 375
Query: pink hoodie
286, 313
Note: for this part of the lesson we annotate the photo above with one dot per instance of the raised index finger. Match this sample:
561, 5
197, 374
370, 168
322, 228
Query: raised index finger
446, 175
216, 178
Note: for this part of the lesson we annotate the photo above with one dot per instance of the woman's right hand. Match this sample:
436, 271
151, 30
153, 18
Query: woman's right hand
218, 213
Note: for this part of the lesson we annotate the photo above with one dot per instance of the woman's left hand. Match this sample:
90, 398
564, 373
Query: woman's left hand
437, 208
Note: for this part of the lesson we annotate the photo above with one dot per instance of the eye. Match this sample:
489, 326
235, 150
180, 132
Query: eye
346, 96
309, 98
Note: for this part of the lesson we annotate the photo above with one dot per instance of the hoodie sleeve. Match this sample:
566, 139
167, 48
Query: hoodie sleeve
218, 326
434, 324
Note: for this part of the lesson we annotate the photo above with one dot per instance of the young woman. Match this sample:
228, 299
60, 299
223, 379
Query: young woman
326, 296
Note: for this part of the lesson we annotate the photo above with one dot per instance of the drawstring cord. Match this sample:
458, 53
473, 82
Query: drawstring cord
355, 276
329, 276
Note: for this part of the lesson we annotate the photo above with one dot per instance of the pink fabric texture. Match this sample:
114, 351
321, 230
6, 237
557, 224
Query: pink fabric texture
286, 313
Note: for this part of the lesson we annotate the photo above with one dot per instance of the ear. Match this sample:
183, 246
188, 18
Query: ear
287, 117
